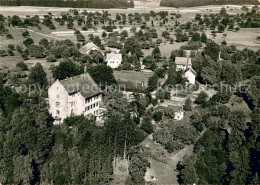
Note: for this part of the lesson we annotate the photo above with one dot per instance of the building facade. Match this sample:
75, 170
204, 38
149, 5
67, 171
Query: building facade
114, 60
190, 74
73, 96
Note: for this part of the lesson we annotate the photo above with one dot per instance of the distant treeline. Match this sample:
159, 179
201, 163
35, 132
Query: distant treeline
191, 3
70, 3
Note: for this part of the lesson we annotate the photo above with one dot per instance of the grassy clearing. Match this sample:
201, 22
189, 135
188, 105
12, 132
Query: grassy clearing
133, 76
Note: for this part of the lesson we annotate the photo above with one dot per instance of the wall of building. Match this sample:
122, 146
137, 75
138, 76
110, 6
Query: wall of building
63, 105
58, 101
94, 105
114, 62
190, 76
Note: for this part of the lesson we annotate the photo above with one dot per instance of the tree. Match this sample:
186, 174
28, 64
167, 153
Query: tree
221, 28
28, 42
156, 53
152, 82
208, 75
97, 56
231, 74
38, 76
158, 116
187, 171
147, 124
66, 69
202, 98
212, 49
25, 153
36, 51
174, 77
253, 93
44, 42
203, 37
22, 66
195, 37
25, 34
187, 105
104, 34
223, 12
103, 75
212, 157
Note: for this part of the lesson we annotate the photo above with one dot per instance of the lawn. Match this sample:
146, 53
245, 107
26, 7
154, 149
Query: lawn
133, 76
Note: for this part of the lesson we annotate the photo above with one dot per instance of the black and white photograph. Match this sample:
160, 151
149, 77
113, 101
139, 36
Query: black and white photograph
128, 92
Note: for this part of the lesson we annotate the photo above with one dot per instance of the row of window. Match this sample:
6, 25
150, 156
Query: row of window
91, 99
86, 109
92, 106
114, 62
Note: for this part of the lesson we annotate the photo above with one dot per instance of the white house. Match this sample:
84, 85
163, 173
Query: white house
78, 95
182, 63
190, 74
90, 46
114, 59
179, 115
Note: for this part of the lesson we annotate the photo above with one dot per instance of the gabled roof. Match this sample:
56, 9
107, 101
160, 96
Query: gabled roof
191, 70
88, 46
84, 84
111, 55
182, 61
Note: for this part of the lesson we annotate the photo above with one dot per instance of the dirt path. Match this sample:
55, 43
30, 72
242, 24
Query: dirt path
46, 35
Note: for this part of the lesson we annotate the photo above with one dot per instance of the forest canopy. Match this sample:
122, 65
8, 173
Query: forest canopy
192, 3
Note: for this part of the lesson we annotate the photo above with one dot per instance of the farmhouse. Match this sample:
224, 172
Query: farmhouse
78, 95
190, 74
182, 63
114, 59
90, 46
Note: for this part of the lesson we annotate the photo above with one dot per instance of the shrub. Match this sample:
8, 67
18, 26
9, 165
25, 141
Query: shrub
28, 42
22, 65
201, 99
147, 125
172, 146
9, 36
51, 58
25, 34
158, 116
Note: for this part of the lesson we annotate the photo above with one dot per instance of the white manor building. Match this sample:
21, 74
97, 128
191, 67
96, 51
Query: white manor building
114, 60
78, 95
182, 63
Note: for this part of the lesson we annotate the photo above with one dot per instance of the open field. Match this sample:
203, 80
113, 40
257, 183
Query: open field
133, 76
245, 38
10, 63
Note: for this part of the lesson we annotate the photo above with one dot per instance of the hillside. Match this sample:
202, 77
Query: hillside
192, 3
69, 3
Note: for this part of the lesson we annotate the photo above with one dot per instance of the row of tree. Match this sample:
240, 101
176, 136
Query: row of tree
73, 4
